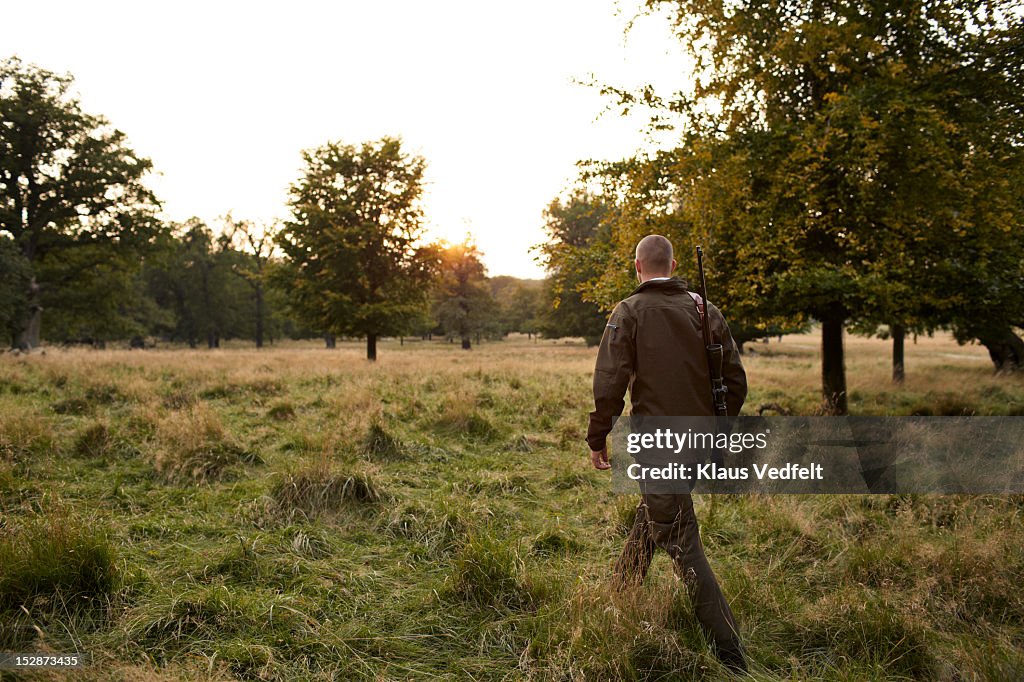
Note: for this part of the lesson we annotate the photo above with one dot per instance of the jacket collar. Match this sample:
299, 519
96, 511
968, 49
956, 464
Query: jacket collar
675, 285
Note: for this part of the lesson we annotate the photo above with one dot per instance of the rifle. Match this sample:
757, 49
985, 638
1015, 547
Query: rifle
714, 350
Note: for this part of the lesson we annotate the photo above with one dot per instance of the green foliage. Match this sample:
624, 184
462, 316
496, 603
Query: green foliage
579, 232
73, 200
14, 281
353, 266
846, 162
463, 304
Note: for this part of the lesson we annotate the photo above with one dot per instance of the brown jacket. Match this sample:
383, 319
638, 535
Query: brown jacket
654, 345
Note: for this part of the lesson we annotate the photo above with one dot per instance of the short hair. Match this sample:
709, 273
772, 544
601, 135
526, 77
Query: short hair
655, 253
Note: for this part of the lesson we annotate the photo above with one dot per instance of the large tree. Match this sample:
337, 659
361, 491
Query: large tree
71, 195
841, 142
353, 265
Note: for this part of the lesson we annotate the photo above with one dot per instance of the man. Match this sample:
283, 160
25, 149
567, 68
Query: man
653, 344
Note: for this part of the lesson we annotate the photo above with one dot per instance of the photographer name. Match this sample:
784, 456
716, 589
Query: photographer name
714, 472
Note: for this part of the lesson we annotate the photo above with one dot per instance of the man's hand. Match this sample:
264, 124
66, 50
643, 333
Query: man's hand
600, 458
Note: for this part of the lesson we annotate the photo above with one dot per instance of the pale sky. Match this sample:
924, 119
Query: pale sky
223, 96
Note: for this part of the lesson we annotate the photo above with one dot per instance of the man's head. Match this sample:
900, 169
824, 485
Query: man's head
654, 258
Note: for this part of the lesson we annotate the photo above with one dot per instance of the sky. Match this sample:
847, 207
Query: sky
223, 96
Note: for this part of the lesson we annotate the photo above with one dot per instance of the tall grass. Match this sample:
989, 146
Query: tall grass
297, 514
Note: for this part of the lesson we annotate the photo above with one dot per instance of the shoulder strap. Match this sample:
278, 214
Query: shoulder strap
700, 303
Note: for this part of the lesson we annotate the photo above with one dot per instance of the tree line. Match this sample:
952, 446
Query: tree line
85, 257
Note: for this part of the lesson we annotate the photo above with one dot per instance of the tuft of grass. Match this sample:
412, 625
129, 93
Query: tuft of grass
25, 434
462, 420
243, 563
53, 558
439, 529
194, 445
569, 480
489, 572
179, 399
848, 626
552, 543
522, 444
318, 490
942, 406
281, 412
381, 445
73, 405
100, 440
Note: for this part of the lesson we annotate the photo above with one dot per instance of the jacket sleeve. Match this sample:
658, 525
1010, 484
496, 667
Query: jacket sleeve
732, 367
614, 369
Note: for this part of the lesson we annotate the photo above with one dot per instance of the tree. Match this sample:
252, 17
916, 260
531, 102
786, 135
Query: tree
14, 279
352, 265
464, 306
256, 246
192, 278
520, 303
71, 191
577, 250
838, 139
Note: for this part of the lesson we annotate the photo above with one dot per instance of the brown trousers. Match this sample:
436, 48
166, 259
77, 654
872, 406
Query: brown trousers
668, 521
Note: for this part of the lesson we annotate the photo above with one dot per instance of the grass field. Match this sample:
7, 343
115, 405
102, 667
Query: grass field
298, 513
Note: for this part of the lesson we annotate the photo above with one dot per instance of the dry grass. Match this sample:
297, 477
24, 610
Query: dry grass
194, 445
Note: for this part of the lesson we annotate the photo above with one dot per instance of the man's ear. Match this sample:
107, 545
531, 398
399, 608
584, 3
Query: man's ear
673, 268
639, 270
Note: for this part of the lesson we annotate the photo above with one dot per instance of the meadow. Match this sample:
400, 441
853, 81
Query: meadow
298, 513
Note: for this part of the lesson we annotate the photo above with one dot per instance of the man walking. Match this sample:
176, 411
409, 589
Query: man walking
653, 344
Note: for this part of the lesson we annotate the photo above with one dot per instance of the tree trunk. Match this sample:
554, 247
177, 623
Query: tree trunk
211, 339
833, 370
401, 340
371, 347
28, 337
259, 316
898, 336
467, 344
1005, 348
330, 341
